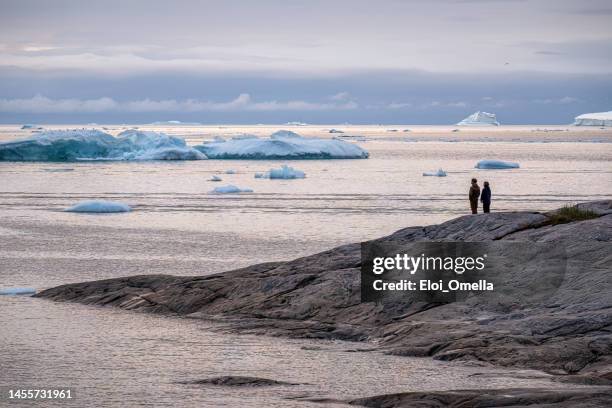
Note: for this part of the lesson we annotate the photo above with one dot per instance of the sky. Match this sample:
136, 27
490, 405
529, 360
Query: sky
316, 61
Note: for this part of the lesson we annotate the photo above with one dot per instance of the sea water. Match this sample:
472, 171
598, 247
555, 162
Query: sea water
117, 358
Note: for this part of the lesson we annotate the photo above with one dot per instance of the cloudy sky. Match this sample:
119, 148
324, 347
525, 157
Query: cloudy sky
317, 61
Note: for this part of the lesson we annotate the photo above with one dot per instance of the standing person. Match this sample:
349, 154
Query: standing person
485, 197
474, 194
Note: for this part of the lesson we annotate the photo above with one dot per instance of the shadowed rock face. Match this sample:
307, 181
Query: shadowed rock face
318, 296
490, 398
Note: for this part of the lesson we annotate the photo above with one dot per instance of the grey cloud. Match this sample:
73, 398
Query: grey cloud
43, 104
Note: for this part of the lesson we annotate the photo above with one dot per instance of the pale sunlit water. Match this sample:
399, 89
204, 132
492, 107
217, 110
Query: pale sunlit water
116, 358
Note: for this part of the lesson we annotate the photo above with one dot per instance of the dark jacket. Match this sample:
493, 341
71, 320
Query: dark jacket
474, 192
485, 197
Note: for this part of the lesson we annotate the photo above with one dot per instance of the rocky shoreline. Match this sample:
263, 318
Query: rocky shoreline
568, 334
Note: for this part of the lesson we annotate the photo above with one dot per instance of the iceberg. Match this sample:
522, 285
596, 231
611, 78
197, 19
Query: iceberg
167, 153
215, 178
335, 131
594, 119
99, 206
172, 123
439, 173
17, 291
230, 189
496, 164
284, 173
88, 144
230, 171
479, 119
282, 145
29, 126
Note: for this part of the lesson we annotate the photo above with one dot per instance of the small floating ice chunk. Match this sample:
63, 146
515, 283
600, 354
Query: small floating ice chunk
99, 206
30, 126
17, 291
286, 172
60, 170
230, 171
215, 178
335, 131
230, 189
496, 164
439, 173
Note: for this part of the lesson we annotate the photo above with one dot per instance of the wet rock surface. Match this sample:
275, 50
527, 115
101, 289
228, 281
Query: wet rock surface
237, 381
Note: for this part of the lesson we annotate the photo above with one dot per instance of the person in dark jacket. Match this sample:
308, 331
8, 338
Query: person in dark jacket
474, 194
485, 197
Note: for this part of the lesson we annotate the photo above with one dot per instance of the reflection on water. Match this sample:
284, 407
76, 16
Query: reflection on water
116, 358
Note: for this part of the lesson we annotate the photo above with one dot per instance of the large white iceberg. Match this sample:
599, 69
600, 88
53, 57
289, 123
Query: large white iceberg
230, 189
99, 206
594, 119
284, 145
496, 165
479, 119
87, 144
284, 173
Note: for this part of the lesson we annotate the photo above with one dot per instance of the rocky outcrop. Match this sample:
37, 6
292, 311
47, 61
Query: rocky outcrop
237, 381
318, 296
490, 398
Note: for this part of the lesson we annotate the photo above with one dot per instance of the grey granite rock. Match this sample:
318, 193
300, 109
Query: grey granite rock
318, 296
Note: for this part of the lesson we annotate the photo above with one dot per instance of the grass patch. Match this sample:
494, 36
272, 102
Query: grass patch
570, 214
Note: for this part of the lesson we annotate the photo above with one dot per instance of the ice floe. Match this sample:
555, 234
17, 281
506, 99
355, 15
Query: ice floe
285, 173
173, 123
594, 119
496, 164
439, 173
480, 119
30, 126
89, 144
99, 206
282, 145
59, 170
17, 291
230, 189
